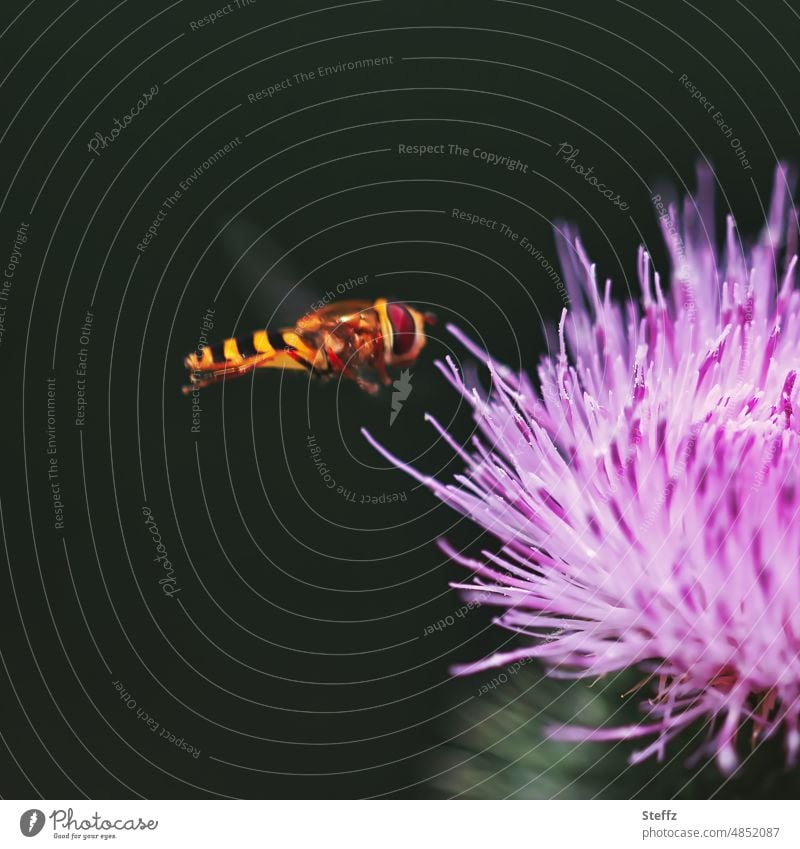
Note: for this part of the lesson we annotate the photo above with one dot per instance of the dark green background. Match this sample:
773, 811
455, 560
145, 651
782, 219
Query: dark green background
296, 659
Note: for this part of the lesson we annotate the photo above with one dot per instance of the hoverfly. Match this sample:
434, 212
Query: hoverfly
355, 339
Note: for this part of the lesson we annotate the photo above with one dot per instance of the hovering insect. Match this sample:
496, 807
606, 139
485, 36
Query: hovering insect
354, 339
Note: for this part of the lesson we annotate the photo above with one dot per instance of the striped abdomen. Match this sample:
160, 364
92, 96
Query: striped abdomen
262, 347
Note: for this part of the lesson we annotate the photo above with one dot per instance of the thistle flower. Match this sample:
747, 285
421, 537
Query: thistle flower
646, 494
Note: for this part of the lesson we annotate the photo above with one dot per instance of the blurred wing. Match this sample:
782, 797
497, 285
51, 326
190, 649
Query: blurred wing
252, 254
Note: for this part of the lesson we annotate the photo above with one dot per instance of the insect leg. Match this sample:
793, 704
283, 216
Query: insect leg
336, 361
379, 358
206, 378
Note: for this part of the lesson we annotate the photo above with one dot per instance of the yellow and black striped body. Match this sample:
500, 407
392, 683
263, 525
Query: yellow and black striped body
262, 347
237, 356
349, 338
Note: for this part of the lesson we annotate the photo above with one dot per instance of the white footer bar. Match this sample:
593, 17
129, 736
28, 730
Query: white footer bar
399, 824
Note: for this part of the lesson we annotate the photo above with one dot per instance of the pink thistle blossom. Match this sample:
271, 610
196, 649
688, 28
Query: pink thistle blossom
646, 495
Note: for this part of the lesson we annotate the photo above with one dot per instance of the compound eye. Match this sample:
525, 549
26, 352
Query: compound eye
404, 331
